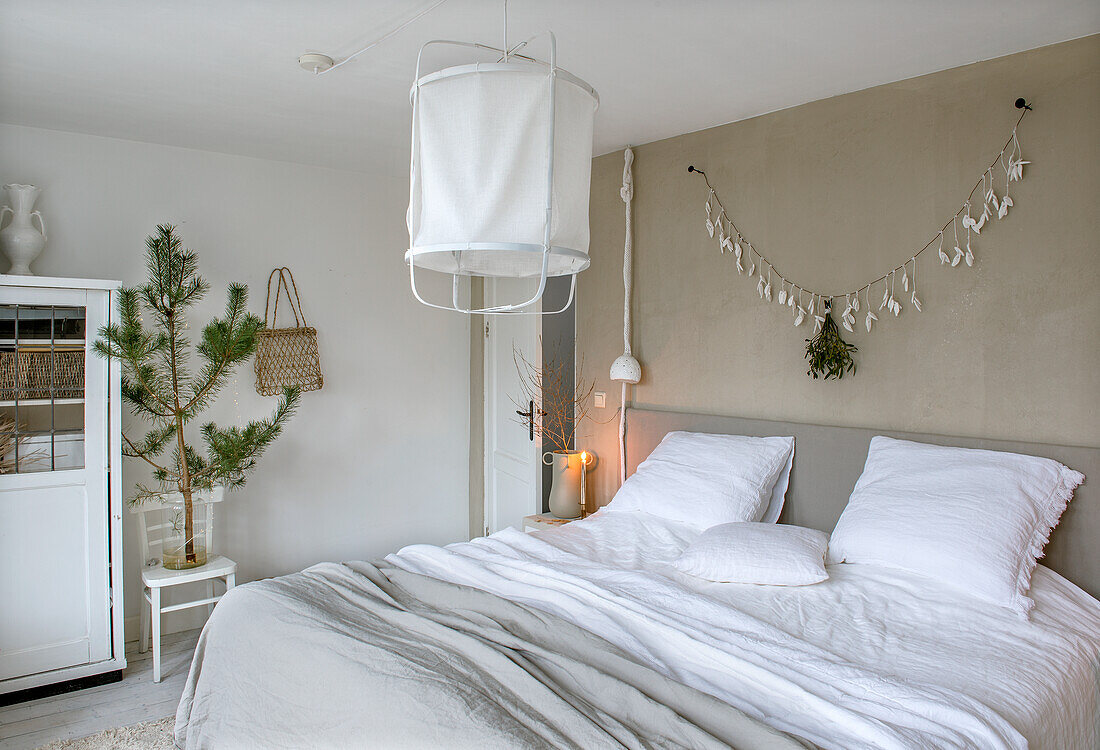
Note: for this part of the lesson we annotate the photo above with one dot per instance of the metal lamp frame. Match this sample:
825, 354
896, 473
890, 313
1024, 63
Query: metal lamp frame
554, 72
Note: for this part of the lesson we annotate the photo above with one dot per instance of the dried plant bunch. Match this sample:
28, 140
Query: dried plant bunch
829, 355
7, 448
563, 400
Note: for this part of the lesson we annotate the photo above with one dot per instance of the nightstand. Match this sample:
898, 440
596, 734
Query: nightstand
543, 521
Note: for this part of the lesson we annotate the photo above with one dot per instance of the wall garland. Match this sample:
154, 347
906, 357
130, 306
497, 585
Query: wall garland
805, 303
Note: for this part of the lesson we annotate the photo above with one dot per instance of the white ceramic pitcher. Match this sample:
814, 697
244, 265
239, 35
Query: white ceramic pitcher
567, 491
20, 240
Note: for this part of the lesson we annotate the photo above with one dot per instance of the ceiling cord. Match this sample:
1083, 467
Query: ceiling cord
383, 38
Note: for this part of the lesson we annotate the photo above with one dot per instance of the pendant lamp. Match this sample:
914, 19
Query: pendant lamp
500, 172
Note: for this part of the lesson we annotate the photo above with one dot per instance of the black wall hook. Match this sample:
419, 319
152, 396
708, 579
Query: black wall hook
1022, 104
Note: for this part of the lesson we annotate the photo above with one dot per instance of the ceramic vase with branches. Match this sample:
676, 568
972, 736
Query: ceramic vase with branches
561, 403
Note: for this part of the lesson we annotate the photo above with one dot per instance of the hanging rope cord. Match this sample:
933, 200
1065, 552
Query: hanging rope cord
627, 194
1012, 141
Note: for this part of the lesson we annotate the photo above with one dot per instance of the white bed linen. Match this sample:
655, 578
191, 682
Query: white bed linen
873, 657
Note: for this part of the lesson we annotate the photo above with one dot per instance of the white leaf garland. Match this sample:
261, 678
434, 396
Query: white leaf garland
1011, 167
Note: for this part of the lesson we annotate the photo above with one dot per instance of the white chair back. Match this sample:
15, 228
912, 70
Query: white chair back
157, 517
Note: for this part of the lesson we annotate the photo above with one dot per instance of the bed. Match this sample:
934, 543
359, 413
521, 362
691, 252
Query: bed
584, 636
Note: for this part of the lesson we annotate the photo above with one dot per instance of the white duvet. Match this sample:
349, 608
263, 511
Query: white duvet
871, 658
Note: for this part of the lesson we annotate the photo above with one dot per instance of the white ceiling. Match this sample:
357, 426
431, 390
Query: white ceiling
222, 75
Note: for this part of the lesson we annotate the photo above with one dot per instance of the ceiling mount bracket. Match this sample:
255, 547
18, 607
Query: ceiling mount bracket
315, 62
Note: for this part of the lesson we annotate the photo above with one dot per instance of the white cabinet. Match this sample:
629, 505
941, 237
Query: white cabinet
61, 615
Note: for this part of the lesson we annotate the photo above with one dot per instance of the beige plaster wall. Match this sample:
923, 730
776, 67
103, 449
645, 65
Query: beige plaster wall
836, 192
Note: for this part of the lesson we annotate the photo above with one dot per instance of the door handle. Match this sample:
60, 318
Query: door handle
529, 415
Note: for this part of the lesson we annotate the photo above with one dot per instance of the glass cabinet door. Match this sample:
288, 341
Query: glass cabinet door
42, 388
55, 505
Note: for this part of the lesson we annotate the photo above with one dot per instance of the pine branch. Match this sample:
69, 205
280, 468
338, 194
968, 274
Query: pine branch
233, 451
127, 341
136, 452
225, 343
141, 401
144, 494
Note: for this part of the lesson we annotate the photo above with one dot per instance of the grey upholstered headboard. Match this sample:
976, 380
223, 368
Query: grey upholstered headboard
829, 460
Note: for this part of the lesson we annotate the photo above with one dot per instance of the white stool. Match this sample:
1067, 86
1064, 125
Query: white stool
155, 577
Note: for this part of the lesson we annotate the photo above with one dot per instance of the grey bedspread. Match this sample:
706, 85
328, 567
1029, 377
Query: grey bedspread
365, 656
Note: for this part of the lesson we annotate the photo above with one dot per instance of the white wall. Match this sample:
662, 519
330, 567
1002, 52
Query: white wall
375, 460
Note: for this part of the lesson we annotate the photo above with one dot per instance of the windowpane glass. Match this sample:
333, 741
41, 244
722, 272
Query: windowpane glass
41, 388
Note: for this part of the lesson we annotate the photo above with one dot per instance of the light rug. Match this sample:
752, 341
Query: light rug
149, 735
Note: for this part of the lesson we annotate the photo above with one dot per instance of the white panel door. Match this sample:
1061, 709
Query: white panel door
513, 485
55, 606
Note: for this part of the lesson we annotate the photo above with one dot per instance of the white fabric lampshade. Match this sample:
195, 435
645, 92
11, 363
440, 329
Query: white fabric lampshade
480, 171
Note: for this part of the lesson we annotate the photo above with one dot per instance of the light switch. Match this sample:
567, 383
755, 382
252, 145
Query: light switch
601, 399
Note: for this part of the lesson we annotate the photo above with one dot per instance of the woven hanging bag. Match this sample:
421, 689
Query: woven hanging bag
286, 356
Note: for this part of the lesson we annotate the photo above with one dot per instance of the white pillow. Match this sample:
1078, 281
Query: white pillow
779, 492
704, 480
972, 519
773, 554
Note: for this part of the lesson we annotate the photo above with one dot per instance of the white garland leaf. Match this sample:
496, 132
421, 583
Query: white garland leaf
740, 268
760, 287
727, 246
904, 280
977, 227
737, 250
768, 292
885, 298
799, 316
916, 302
1003, 210
782, 296
710, 227
847, 325
871, 317
855, 303
958, 256
969, 256
752, 268
944, 260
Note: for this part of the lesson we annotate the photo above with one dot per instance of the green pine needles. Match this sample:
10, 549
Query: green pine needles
829, 355
159, 385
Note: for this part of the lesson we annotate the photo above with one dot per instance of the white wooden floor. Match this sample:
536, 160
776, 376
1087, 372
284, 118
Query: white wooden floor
136, 699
